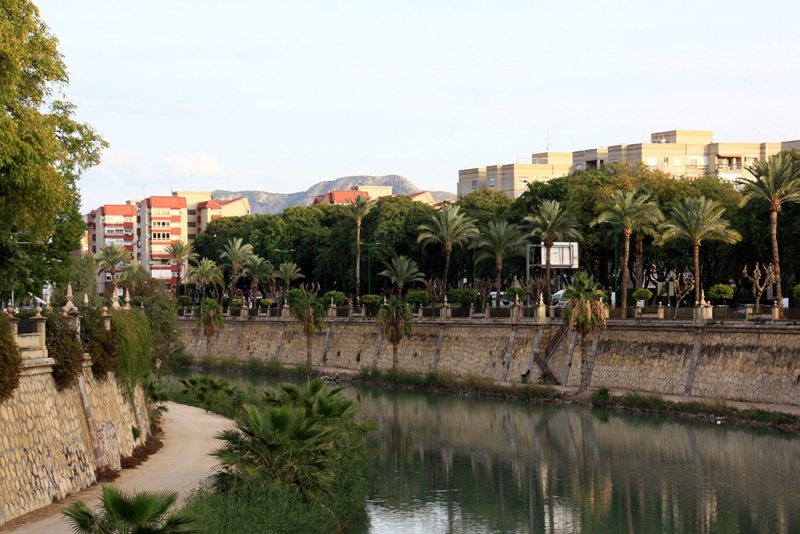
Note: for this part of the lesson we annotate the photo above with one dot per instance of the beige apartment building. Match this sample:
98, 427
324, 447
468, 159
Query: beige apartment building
691, 153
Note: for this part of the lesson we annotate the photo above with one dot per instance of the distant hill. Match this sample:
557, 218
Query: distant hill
265, 202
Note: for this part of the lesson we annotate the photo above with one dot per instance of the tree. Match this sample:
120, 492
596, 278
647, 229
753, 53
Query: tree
698, 219
259, 270
136, 277
450, 228
552, 223
206, 272
777, 181
485, 205
395, 319
497, 242
131, 513
236, 253
586, 313
109, 258
210, 317
181, 252
402, 272
308, 310
357, 210
288, 272
634, 211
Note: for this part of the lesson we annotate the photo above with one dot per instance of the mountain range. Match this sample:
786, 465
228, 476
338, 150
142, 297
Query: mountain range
266, 202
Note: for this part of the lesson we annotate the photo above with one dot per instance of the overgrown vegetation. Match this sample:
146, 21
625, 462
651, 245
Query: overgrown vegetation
99, 343
132, 330
166, 341
65, 348
10, 360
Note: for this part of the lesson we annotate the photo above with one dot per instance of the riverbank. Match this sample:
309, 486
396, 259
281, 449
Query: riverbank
785, 418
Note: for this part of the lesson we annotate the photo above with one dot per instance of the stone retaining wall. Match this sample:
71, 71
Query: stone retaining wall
738, 362
53, 441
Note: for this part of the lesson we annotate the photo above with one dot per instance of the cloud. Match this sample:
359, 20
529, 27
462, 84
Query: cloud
197, 164
127, 163
192, 108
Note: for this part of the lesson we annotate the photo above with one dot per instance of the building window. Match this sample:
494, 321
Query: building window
160, 211
191, 224
666, 161
191, 212
523, 181
491, 182
652, 162
112, 219
162, 236
216, 212
162, 224
474, 184
192, 236
677, 162
115, 231
128, 219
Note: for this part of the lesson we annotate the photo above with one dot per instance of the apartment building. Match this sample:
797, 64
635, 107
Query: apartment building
147, 227
691, 153
371, 192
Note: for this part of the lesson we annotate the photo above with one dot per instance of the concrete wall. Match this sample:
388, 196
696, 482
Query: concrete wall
52, 441
739, 362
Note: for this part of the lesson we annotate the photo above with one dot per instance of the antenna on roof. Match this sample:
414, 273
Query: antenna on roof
547, 134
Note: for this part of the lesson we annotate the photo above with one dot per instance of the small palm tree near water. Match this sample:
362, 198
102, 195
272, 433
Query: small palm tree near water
587, 313
131, 513
308, 310
394, 319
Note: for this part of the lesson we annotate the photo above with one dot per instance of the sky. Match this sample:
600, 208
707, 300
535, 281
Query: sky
279, 95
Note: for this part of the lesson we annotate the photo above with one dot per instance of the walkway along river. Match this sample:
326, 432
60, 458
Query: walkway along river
462, 464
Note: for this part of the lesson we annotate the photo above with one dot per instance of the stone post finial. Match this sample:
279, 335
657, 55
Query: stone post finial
86, 299
541, 299
115, 298
64, 311
385, 302
127, 297
10, 311
38, 312
69, 305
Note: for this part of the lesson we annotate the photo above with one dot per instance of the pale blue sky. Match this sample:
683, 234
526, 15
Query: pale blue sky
280, 95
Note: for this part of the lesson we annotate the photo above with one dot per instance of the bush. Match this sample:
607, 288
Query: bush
63, 346
535, 392
720, 291
265, 303
293, 296
106, 474
337, 296
601, 397
184, 301
642, 294
237, 303
10, 359
464, 297
512, 293
417, 296
132, 330
371, 301
639, 401
137, 302
99, 343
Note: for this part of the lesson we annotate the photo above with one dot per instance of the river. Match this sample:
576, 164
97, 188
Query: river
449, 463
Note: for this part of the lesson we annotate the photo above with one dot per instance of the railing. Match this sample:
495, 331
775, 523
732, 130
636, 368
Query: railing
729, 167
274, 312
370, 312
499, 312
252, 312
459, 312
697, 169
342, 312
430, 312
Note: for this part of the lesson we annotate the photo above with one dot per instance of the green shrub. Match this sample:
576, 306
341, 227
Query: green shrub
640, 401
642, 294
720, 291
184, 301
237, 303
402, 377
209, 362
536, 392
462, 296
10, 359
63, 346
136, 302
371, 301
601, 397
132, 330
162, 313
418, 296
265, 303
228, 364
274, 368
337, 296
293, 296
99, 343
512, 293
255, 365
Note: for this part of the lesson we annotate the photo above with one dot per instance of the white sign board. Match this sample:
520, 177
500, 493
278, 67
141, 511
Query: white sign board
562, 255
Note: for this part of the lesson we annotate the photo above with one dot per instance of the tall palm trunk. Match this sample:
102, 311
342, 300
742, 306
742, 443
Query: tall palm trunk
584, 366
776, 262
696, 253
639, 254
233, 285
447, 250
394, 356
547, 273
626, 254
499, 266
308, 350
358, 261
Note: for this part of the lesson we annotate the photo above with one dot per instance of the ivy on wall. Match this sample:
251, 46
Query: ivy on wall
132, 331
65, 348
10, 360
99, 343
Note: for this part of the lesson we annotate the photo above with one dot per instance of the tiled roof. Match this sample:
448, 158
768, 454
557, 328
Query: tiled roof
118, 209
166, 202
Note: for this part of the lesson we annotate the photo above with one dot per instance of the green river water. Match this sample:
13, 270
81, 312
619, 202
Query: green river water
450, 463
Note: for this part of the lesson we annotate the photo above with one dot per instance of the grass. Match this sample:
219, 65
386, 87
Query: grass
256, 366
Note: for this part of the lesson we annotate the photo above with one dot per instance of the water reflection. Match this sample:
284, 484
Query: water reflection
459, 464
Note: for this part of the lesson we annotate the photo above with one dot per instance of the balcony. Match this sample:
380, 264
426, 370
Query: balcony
729, 167
697, 170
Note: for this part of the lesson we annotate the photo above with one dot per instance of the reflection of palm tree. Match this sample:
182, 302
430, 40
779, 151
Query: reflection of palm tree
698, 219
206, 272
124, 513
288, 272
635, 211
236, 253
394, 319
109, 258
550, 224
402, 272
450, 228
499, 241
358, 209
777, 180
586, 313
181, 252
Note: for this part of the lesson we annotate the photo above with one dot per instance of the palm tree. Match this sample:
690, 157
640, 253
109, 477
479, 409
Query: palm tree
586, 313
698, 219
777, 181
394, 319
308, 311
181, 252
634, 211
206, 272
401, 272
499, 241
210, 317
136, 276
289, 272
358, 209
128, 513
236, 253
447, 227
109, 258
550, 224
259, 270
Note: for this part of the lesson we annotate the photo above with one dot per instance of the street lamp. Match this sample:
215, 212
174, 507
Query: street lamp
369, 264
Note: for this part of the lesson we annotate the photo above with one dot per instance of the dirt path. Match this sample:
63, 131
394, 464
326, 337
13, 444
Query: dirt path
179, 466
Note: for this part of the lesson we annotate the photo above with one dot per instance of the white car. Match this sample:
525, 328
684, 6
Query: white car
557, 296
503, 302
